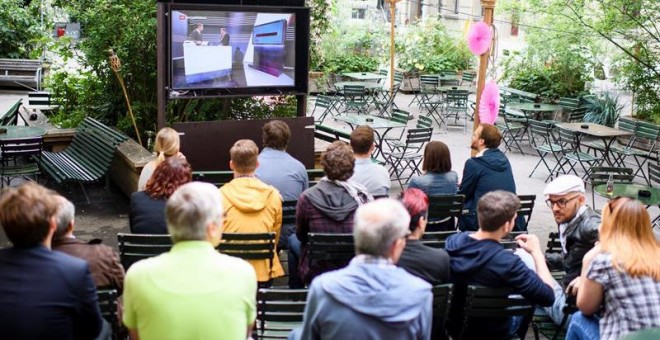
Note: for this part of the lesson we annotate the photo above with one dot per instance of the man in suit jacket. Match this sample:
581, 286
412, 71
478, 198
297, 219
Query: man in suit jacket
224, 37
43, 294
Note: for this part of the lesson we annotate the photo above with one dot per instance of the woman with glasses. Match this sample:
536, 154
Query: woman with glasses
622, 274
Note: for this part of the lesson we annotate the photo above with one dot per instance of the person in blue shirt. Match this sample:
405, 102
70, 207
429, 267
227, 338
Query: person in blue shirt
438, 178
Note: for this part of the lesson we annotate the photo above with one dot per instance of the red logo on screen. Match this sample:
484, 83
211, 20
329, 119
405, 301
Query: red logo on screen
182, 17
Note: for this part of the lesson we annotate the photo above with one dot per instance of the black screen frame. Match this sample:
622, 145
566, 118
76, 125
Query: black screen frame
301, 72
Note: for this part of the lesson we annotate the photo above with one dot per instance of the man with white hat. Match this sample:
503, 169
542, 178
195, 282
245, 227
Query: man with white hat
578, 223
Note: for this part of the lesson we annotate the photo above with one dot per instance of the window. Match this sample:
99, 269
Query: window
449, 6
359, 13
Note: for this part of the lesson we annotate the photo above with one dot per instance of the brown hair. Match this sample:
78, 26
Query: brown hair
244, 155
491, 136
362, 138
436, 158
26, 212
338, 161
626, 234
496, 208
276, 134
167, 177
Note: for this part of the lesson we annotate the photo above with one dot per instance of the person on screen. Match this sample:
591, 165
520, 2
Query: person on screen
224, 37
196, 34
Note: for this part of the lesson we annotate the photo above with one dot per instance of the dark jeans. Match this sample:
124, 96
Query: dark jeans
287, 231
294, 257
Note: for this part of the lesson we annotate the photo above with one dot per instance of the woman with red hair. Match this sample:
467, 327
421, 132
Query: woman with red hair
427, 263
622, 274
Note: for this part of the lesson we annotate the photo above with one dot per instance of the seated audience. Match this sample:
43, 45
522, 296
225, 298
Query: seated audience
147, 211
371, 175
44, 294
281, 170
167, 145
192, 291
371, 298
252, 206
487, 171
479, 259
327, 207
620, 276
438, 178
429, 264
103, 261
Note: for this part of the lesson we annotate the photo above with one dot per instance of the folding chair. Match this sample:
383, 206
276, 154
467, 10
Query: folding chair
467, 78
409, 156
136, 247
511, 131
355, 97
279, 311
108, 304
624, 124
430, 99
444, 211
525, 211
326, 105
572, 107
456, 103
19, 157
648, 133
600, 175
415, 87
449, 82
442, 295
436, 239
399, 116
573, 155
484, 302
384, 99
543, 141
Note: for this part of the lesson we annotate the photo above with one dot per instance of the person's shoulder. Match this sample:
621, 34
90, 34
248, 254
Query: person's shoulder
67, 262
234, 265
411, 281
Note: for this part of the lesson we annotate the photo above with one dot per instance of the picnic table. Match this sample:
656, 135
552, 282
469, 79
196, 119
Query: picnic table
632, 191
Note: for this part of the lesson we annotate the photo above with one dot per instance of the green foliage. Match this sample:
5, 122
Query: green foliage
350, 63
603, 111
353, 47
319, 27
645, 87
19, 25
564, 76
427, 47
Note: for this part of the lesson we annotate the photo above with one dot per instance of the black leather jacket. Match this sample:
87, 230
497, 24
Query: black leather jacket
581, 235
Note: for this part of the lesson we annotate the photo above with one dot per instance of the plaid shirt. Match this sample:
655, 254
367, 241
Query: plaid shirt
631, 304
309, 219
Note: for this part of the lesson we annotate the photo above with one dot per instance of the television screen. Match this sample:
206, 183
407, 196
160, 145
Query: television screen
234, 48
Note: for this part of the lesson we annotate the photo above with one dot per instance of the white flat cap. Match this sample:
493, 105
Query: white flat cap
564, 184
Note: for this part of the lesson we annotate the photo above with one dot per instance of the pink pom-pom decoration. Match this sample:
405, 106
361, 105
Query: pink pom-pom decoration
479, 38
489, 105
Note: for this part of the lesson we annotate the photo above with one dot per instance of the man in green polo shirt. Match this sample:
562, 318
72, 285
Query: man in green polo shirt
191, 292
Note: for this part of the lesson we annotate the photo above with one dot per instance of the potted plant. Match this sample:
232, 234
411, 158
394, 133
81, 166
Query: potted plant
604, 111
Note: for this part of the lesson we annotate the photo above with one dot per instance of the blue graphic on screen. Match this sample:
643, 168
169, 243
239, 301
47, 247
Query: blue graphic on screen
270, 33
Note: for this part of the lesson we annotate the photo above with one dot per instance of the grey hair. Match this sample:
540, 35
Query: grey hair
190, 209
66, 212
378, 225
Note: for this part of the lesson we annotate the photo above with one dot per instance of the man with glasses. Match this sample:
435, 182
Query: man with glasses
578, 223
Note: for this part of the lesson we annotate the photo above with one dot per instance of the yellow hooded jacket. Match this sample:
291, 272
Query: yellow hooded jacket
251, 206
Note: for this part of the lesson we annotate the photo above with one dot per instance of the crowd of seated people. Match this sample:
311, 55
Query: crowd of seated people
384, 292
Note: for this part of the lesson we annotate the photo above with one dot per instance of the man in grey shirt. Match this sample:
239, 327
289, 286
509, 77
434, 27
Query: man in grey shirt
372, 175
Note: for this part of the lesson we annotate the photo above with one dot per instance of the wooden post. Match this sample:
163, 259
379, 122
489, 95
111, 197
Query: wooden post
392, 15
489, 9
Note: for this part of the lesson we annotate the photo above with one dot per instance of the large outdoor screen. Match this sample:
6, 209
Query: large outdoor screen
236, 48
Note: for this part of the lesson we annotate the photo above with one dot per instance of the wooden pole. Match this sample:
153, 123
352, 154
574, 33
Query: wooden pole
115, 64
489, 9
392, 18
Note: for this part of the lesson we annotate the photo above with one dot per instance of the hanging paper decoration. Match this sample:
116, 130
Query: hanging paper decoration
479, 38
489, 105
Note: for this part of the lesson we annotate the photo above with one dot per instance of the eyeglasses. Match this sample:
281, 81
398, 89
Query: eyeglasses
561, 203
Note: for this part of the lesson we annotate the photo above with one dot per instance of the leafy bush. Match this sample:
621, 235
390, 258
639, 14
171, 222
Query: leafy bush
603, 111
19, 26
350, 63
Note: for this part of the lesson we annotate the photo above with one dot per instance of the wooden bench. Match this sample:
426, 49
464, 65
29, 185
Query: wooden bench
11, 116
22, 72
41, 100
87, 159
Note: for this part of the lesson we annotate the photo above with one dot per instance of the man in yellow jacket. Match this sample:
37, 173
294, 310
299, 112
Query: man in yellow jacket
251, 206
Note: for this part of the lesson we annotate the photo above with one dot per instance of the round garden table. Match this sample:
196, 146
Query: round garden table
15, 132
537, 110
632, 191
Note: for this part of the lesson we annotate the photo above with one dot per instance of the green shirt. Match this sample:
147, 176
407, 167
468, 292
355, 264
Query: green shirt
191, 292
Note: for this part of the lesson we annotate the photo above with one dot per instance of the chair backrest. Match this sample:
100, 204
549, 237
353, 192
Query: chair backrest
444, 210
10, 117
569, 103
648, 131
354, 91
441, 305
424, 122
568, 139
654, 174
400, 116
601, 174
457, 98
279, 311
436, 239
468, 77
526, 209
428, 80
217, 178
398, 77
109, 306
314, 176
330, 247
136, 247
554, 244
485, 302
577, 115
289, 212
417, 138
248, 246
21, 147
541, 132
627, 124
